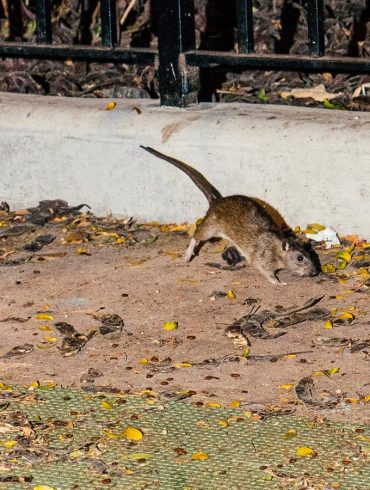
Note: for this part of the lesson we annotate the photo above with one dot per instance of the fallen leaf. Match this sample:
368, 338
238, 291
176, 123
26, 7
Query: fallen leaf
328, 268
230, 294
346, 316
49, 338
82, 251
43, 487
213, 405
199, 456
9, 444
110, 106
352, 400
44, 316
235, 404
317, 93
246, 352
133, 434
286, 386
170, 326
304, 451
183, 364
107, 405
223, 423
289, 434
328, 324
331, 371
136, 456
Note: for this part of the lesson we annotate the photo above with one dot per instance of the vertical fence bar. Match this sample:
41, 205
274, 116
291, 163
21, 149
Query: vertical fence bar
43, 21
108, 22
176, 34
316, 38
244, 16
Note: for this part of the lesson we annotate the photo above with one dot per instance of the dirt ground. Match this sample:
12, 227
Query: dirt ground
147, 283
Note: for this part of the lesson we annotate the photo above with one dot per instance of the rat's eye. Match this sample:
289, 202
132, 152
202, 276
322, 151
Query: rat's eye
300, 258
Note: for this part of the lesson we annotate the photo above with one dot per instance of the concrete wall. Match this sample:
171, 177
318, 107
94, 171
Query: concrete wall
313, 165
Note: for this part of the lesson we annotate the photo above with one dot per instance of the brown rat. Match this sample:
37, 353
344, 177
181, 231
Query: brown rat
245, 223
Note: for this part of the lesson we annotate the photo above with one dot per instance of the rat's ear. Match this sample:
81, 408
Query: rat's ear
285, 245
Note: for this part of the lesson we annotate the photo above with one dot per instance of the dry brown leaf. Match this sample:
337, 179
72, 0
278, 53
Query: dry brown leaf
317, 93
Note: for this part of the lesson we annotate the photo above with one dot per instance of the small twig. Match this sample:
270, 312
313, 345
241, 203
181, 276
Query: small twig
126, 12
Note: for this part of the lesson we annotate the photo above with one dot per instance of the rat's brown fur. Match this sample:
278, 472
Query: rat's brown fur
244, 222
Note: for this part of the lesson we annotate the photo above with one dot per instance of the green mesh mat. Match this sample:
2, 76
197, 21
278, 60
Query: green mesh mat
68, 439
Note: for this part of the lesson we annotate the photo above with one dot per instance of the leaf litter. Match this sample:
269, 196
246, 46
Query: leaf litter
138, 352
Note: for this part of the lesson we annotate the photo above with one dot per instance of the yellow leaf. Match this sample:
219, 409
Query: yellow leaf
223, 423
46, 328
136, 456
290, 356
366, 399
44, 316
213, 405
82, 251
4, 386
328, 268
346, 316
328, 324
230, 294
132, 434
43, 487
9, 444
342, 264
304, 451
48, 338
173, 228
316, 227
77, 453
106, 405
287, 386
235, 404
331, 371
352, 400
199, 456
170, 326
317, 373
339, 296
246, 352
183, 364
289, 434
120, 240
143, 361
344, 256
110, 106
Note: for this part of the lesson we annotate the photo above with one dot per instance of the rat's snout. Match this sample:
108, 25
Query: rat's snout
316, 269
314, 273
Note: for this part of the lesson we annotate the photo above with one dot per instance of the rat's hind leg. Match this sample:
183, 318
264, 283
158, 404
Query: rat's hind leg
204, 232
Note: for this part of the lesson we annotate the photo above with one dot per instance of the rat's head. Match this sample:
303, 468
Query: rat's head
299, 259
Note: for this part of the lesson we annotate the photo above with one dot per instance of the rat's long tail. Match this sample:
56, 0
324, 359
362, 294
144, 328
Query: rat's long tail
199, 180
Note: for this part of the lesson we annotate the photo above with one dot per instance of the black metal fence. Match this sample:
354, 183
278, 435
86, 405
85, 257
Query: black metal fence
177, 59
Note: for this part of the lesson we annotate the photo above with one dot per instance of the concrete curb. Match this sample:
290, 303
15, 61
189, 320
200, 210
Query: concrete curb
313, 165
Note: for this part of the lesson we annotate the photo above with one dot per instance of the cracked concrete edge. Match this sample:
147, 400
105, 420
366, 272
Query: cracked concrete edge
313, 165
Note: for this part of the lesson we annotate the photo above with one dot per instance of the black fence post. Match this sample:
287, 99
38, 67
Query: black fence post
316, 36
43, 21
178, 83
244, 15
108, 22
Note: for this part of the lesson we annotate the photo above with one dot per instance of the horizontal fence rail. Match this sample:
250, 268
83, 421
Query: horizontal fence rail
177, 59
